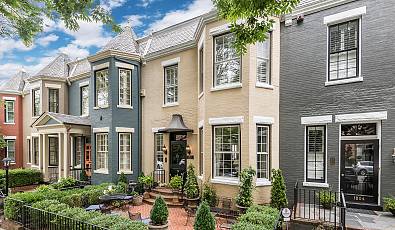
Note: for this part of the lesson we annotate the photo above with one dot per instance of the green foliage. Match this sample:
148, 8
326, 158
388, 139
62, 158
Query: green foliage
257, 217
204, 219
122, 178
389, 204
74, 200
209, 195
117, 223
244, 198
65, 182
3, 143
326, 198
278, 191
21, 177
176, 182
147, 181
159, 212
191, 185
26, 18
251, 19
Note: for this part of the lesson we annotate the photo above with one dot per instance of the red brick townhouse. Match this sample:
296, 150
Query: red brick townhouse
11, 122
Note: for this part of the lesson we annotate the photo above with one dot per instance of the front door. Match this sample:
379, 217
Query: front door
178, 143
88, 159
359, 170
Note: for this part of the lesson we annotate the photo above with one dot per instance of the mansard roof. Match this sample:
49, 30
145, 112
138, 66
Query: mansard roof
57, 69
16, 83
124, 42
79, 67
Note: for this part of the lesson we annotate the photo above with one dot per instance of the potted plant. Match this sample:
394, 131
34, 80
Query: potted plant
389, 205
278, 190
244, 198
137, 198
327, 199
159, 214
147, 181
209, 195
204, 219
176, 185
191, 187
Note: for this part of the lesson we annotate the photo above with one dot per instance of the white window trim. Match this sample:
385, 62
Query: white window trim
263, 120
33, 101
170, 104
219, 30
9, 98
53, 86
200, 124
344, 81
84, 83
316, 120
263, 180
316, 184
227, 86
96, 94
119, 152
14, 140
101, 170
101, 130
361, 117
36, 136
175, 103
124, 130
9, 137
6, 112
125, 172
82, 86
170, 62
263, 85
156, 129
124, 65
345, 16
201, 138
101, 66
127, 106
226, 120
224, 180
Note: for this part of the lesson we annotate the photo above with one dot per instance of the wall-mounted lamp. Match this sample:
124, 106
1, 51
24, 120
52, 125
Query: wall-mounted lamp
188, 149
164, 149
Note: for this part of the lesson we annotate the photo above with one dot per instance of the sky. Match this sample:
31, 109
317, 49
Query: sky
143, 15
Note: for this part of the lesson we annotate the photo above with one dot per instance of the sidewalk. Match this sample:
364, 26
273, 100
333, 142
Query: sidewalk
380, 221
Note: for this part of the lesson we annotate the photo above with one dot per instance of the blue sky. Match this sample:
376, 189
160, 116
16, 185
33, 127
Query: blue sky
143, 15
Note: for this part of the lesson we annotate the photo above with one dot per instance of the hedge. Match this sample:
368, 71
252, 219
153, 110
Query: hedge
257, 217
21, 177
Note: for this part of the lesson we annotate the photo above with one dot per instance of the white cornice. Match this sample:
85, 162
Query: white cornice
360, 117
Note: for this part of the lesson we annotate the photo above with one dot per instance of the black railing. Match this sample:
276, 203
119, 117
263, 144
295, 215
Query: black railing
35, 219
159, 176
81, 174
322, 206
53, 174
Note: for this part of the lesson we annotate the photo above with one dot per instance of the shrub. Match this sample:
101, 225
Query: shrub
326, 198
278, 195
257, 217
80, 214
204, 219
74, 200
209, 195
21, 177
121, 187
159, 212
122, 178
65, 183
117, 223
191, 185
176, 182
244, 198
147, 181
389, 204
44, 204
248, 226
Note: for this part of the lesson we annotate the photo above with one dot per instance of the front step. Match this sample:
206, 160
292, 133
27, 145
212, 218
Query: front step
171, 199
168, 203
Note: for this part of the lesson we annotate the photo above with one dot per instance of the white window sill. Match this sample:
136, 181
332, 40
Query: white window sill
226, 181
170, 105
263, 182
316, 184
125, 106
6, 123
201, 95
125, 172
101, 171
224, 87
344, 81
263, 85
101, 107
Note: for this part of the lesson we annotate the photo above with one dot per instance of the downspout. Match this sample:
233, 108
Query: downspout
140, 122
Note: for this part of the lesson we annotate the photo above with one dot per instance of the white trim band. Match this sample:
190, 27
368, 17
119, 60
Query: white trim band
344, 81
219, 29
316, 120
357, 117
171, 61
263, 120
226, 120
315, 184
346, 15
84, 83
156, 129
200, 124
53, 86
224, 181
9, 137
124, 65
9, 98
101, 130
124, 130
101, 66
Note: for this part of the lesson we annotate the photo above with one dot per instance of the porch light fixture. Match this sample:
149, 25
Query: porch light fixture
188, 149
164, 149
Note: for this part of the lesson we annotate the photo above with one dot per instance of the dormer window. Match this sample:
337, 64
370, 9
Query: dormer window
101, 93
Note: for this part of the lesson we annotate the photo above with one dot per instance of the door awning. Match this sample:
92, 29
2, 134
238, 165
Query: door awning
176, 125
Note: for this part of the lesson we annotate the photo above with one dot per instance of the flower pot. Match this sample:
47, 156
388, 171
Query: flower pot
158, 227
138, 200
192, 202
242, 209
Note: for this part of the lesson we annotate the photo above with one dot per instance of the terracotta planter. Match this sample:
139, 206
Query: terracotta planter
138, 200
158, 227
242, 209
192, 202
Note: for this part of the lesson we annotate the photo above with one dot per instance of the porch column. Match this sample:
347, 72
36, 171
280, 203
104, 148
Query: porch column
44, 154
66, 153
60, 155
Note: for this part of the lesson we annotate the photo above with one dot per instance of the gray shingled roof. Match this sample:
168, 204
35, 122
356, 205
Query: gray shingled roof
16, 83
125, 42
79, 67
70, 119
58, 68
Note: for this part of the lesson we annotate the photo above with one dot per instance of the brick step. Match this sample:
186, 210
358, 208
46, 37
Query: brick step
163, 191
169, 203
165, 197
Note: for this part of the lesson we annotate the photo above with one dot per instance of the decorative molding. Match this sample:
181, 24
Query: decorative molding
346, 15
344, 81
124, 65
200, 124
156, 129
101, 130
316, 120
170, 62
85, 83
101, 66
226, 120
358, 117
263, 120
9, 98
53, 86
124, 130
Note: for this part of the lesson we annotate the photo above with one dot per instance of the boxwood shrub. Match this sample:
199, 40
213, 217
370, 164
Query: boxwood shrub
257, 217
21, 177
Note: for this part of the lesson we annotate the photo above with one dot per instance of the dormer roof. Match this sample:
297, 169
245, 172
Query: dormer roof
124, 42
57, 69
16, 83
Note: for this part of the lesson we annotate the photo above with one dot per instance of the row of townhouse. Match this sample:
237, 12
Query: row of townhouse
182, 95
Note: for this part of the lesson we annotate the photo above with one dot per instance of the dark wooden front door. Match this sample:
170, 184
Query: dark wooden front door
178, 143
359, 170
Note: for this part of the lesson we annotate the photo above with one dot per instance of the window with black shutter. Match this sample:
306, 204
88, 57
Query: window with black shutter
315, 154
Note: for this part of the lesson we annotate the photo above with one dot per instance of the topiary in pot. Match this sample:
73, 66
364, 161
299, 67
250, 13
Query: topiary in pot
278, 195
176, 183
159, 214
191, 187
327, 199
204, 219
244, 198
389, 205
209, 195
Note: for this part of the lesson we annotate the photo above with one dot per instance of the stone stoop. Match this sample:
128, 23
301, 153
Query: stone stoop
171, 199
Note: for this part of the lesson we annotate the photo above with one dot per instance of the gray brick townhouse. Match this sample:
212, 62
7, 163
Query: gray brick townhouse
337, 116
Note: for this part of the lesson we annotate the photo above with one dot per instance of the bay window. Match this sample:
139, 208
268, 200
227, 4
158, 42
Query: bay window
125, 152
263, 61
102, 151
9, 111
53, 100
84, 100
101, 84
36, 102
315, 154
53, 151
125, 84
171, 84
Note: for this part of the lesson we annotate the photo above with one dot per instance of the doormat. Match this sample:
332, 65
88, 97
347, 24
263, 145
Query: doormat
362, 211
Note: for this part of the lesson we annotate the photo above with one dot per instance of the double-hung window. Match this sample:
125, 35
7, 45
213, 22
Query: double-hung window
53, 100
263, 61
9, 111
262, 142
35, 152
315, 154
84, 94
125, 84
158, 151
171, 84
227, 151
201, 158
102, 151
101, 84
343, 50
53, 151
11, 149
125, 152
226, 61
36, 102
78, 152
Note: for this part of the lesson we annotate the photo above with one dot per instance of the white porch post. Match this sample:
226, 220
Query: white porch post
44, 154
66, 153
60, 150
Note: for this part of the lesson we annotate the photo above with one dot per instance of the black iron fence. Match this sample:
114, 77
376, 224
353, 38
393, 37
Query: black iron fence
159, 176
319, 205
36, 219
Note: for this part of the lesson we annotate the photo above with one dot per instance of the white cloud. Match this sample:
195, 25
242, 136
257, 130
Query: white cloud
7, 46
133, 20
196, 8
111, 4
8, 70
74, 51
44, 41
145, 3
